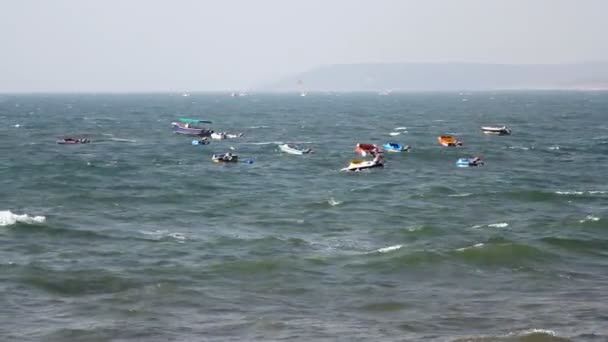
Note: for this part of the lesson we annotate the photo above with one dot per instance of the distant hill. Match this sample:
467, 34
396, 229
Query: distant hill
446, 77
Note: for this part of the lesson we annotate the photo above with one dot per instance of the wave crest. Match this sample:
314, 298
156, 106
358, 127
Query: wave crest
7, 218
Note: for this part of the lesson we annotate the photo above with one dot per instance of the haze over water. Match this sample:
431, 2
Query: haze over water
139, 236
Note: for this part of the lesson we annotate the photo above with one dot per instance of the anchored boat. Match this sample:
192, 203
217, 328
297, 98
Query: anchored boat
293, 149
504, 130
191, 127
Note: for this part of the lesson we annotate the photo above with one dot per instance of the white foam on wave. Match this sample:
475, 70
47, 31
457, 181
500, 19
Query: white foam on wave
124, 140
394, 133
533, 331
570, 192
589, 218
388, 249
498, 225
465, 194
265, 143
257, 127
590, 192
161, 234
523, 148
554, 147
518, 335
477, 245
400, 128
333, 202
7, 218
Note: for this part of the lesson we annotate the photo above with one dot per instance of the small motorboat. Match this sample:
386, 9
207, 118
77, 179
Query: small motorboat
467, 162
392, 147
225, 158
218, 135
293, 149
224, 135
504, 130
203, 141
71, 141
448, 140
358, 165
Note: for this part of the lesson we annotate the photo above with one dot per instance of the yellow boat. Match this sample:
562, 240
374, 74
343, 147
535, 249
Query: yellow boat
356, 165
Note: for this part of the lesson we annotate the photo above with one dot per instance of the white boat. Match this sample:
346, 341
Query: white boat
224, 135
293, 149
503, 130
218, 135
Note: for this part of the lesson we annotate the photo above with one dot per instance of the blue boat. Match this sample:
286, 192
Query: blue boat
203, 141
189, 127
392, 147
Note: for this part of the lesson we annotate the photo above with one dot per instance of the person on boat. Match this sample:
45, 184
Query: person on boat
476, 161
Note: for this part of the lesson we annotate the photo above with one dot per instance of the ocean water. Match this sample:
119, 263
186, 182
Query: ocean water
138, 236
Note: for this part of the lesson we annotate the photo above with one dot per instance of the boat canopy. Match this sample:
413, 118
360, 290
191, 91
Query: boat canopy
193, 121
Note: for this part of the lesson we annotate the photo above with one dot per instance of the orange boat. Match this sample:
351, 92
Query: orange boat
448, 140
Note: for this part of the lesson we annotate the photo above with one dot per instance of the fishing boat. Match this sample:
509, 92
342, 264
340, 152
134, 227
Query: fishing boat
448, 140
190, 127
225, 158
358, 165
467, 162
503, 130
392, 147
72, 141
293, 149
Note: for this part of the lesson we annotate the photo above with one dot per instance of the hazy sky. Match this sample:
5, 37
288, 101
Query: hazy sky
179, 45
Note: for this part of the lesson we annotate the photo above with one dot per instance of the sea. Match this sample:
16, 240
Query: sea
139, 236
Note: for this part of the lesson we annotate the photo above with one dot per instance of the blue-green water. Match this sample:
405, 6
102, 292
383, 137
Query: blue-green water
138, 236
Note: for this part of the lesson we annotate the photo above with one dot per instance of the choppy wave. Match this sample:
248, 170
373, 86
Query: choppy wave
164, 234
465, 194
333, 202
590, 218
530, 335
7, 218
578, 192
387, 249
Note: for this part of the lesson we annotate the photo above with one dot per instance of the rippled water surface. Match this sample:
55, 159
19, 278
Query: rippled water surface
138, 236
